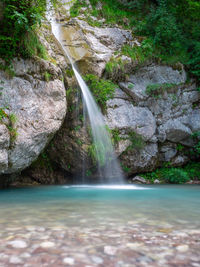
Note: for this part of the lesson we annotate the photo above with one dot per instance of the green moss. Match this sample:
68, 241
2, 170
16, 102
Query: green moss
47, 76
8, 68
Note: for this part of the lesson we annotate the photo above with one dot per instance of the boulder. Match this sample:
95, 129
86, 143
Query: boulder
139, 161
151, 74
38, 108
123, 115
176, 131
139, 179
4, 146
194, 120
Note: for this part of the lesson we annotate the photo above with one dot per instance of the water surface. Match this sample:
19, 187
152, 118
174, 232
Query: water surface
89, 206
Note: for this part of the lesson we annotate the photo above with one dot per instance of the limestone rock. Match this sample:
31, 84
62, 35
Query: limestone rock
168, 151
139, 179
194, 120
39, 107
176, 131
4, 146
139, 161
152, 74
122, 115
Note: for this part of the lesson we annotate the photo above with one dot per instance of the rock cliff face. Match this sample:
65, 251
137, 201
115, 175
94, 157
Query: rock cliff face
162, 121
153, 110
33, 110
149, 125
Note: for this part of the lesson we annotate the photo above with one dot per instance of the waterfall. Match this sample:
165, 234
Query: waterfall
108, 167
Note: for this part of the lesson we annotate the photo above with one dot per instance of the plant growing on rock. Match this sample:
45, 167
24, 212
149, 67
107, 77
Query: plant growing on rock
156, 89
102, 90
3, 114
137, 141
20, 20
139, 53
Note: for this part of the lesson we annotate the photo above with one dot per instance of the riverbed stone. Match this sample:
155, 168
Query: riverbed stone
182, 248
47, 244
110, 250
18, 244
15, 260
68, 261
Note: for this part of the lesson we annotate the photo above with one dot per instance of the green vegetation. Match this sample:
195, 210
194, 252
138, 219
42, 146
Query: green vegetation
114, 64
193, 170
139, 53
125, 168
115, 136
102, 90
113, 12
75, 9
3, 114
69, 73
175, 175
96, 151
156, 90
137, 141
115, 69
17, 37
168, 30
196, 148
47, 76
8, 70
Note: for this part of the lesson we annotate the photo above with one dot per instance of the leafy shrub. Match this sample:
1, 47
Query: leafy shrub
175, 176
193, 170
19, 19
102, 89
196, 148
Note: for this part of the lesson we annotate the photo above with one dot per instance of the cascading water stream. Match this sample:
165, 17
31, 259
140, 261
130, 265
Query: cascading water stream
108, 166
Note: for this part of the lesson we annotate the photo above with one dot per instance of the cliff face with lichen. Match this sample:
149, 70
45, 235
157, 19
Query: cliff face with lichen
151, 115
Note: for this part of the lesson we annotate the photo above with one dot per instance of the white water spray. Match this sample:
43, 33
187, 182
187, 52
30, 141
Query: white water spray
108, 166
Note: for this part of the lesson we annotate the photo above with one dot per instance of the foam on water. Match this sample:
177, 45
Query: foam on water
110, 187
